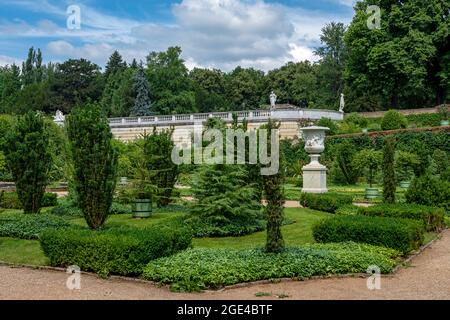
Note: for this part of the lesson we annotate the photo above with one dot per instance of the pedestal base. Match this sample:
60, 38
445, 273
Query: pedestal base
314, 178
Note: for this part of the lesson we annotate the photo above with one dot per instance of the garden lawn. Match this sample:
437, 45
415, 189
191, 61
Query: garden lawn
17, 251
295, 234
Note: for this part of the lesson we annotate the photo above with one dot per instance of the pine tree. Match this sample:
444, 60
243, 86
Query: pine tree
274, 192
29, 159
141, 87
114, 65
389, 180
94, 160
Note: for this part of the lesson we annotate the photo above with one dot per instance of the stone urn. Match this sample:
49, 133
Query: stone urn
314, 174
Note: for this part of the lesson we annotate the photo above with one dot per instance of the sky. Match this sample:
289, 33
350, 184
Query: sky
263, 34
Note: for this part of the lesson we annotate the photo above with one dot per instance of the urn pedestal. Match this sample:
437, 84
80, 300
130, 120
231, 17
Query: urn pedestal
314, 174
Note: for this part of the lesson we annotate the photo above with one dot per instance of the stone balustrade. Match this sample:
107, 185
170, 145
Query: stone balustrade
250, 116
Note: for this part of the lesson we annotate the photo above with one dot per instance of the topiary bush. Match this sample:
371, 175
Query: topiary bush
393, 120
429, 190
120, 251
30, 226
403, 235
433, 218
201, 268
328, 202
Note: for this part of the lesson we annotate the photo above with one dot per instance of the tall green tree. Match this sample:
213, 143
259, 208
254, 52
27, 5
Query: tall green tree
210, 90
115, 64
389, 179
119, 95
402, 64
333, 54
75, 82
142, 103
244, 88
29, 159
94, 160
169, 79
274, 192
9, 88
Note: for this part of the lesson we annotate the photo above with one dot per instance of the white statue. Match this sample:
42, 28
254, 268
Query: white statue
273, 100
59, 117
342, 104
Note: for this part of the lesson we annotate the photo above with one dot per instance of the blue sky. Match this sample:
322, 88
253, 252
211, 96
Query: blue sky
212, 33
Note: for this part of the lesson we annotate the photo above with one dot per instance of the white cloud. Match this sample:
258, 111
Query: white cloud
212, 33
6, 60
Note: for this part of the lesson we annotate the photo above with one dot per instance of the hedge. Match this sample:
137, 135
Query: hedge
203, 268
10, 200
403, 235
433, 218
30, 226
328, 202
120, 251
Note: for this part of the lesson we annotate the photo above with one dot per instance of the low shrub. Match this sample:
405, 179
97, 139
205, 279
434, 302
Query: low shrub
69, 209
347, 210
403, 235
201, 268
429, 191
433, 218
393, 120
119, 250
328, 202
10, 200
30, 226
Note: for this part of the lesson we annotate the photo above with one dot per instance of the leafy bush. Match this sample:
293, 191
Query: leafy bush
121, 251
29, 159
345, 153
328, 202
368, 161
347, 210
30, 226
356, 119
10, 200
328, 123
432, 217
393, 120
429, 191
199, 269
403, 235
404, 163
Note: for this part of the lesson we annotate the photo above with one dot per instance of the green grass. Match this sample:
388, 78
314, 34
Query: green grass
18, 251
127, 220
298, 233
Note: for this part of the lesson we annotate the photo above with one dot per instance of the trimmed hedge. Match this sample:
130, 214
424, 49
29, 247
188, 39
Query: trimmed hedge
403, 235
121, 250
10, 200
202, 268
328, 202
433, 218
27, 226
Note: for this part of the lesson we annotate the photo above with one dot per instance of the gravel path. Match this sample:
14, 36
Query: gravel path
426, 277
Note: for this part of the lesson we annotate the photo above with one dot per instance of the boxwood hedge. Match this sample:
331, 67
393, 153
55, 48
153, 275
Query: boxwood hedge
328, 202
403, 235
433, 218
202, 268
118, 250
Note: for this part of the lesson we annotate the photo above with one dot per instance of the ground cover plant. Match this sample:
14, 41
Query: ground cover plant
199, 269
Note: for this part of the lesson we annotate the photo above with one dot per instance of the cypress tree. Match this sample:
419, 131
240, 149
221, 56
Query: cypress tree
142, 102
94, 160
389, 180
114, 65
29, 159
274, 192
